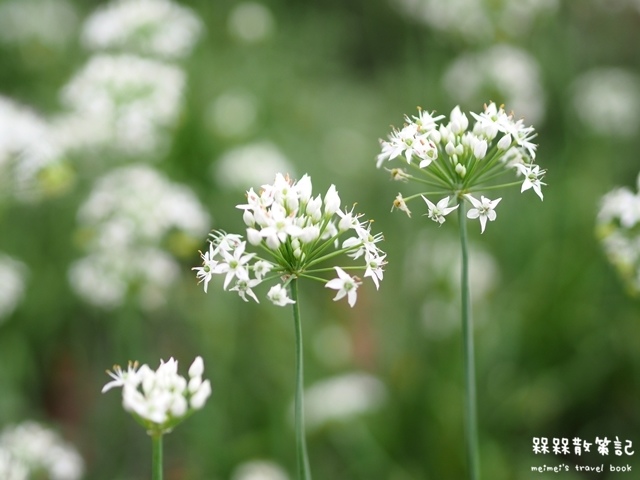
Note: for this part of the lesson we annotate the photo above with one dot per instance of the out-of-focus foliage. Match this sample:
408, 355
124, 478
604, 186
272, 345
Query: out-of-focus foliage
123, 142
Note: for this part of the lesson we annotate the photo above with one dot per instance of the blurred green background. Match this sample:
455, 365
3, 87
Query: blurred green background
309, 86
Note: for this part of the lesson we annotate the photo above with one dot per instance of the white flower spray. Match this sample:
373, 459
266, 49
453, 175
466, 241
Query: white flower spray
294, 233
160, 399
458, 161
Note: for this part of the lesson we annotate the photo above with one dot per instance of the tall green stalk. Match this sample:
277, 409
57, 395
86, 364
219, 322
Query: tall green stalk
156, 456
304, 472
471, 419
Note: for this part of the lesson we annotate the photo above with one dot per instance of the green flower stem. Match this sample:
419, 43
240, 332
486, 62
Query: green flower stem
156, 456
471, 420
304, 472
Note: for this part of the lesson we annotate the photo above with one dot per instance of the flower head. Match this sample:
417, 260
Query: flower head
296, 232
470, 153
159, 28
161, 399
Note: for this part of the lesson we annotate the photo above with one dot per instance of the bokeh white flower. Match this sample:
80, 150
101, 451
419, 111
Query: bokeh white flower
124, 225
40, 450
607, 101
259, 470
618, 229
123, 103
52, 23
504, 73
248, 165
11, 468
157, 28
478, 20
12, 278
342, 398
251, 22
233, 114
30, 154
160, 399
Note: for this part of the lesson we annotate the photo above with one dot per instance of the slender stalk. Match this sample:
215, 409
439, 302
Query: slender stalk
304, 472
156, 456
471, 420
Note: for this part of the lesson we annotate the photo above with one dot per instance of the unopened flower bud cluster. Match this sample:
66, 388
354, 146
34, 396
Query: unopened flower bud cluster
296, 231
458, 159
160, 399
618, 229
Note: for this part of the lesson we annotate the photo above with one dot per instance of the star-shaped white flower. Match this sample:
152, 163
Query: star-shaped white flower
278, 295
206, 271
236, 264
243, 287
532, 176
346, 285
438, 212
120, 376
483, 210
374, 267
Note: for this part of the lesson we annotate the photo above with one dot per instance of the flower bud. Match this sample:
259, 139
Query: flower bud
313, 208
504, 142
309, 234
197, 367
480, 149
303, 188
200, 397
461, 170
248, 218
253, 236
449, 148
331, 201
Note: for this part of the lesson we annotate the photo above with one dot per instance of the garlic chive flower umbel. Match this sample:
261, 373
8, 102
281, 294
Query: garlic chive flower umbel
458, 161
160, 399
294, 233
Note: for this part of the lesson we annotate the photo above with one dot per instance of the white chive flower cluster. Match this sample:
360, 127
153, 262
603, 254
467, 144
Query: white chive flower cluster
618, 229
478, 20
456, 160
158, 28
31, 158
295, 234
31, 450
129, 218
160, 399
120, 103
